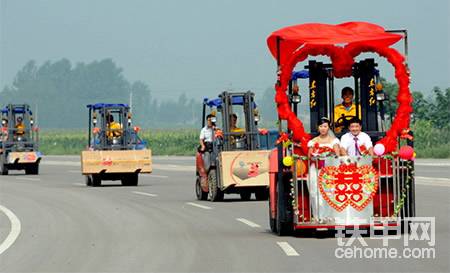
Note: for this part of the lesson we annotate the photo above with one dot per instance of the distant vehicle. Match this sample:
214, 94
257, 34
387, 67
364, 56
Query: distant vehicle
323, 191
19, 140
238, 159
115, 151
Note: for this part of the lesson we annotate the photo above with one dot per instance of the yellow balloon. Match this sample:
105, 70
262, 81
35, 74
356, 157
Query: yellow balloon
288, 161
414, 154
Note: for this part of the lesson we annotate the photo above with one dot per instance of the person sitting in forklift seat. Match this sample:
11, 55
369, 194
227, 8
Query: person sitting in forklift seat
346, 108
114, 128
233, 127
20, 127
206, 134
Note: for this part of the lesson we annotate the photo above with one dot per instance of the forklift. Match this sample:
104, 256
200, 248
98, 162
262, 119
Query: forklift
115, 151
237, 160
19, 140
391, 202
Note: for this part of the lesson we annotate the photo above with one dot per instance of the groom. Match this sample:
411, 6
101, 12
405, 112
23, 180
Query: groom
355, 142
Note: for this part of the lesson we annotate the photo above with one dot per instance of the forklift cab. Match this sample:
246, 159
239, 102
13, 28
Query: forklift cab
369, 98
236, 121
110, 128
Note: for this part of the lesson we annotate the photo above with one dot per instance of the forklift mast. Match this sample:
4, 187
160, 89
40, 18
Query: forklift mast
322, 95
365, 72
251, 131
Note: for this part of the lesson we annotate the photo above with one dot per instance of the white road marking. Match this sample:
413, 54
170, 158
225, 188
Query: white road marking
248, 222
28, 178
15, 229
79, 184
433, 178
198, 205
145, 193
288, 249
437, 164
432, 181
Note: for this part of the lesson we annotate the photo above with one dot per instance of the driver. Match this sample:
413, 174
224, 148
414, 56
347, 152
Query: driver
20, 127
114, 128
233, 127
346, 108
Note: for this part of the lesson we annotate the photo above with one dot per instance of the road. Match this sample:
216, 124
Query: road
159, 226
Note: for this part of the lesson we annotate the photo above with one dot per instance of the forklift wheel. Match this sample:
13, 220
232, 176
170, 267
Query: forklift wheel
245, 195
262, 194
96, 180
3, 169
130, 180
32, 169
88, 179
214, 194
201, 195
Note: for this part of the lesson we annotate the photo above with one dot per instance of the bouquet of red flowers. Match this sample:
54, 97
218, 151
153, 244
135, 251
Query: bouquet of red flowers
321, 151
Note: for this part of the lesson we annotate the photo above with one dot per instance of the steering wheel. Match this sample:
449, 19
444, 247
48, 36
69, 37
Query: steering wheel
343, 121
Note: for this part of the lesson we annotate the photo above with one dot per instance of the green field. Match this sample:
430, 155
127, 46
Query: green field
162, 142
429, 142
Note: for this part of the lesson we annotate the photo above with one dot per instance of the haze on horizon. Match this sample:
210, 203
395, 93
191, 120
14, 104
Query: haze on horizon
202, 47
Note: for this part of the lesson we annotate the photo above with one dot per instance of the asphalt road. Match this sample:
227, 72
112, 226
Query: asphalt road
159, 226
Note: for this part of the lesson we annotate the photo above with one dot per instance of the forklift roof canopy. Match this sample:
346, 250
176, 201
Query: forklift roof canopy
102, 105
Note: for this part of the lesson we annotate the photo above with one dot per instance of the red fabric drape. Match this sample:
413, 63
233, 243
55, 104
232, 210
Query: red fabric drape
299, 42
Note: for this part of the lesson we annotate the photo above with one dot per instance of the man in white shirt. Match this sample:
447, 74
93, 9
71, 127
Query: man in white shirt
355, 142
206, 134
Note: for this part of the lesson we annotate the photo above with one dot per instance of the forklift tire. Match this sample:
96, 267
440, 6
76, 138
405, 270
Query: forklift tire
130, 180
245, 195
201, 195
262, 194
272, 221
96, 180
214, 194
88, 179
32, 169
284, 226
3, 169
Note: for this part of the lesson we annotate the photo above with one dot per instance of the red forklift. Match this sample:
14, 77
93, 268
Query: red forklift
325, 192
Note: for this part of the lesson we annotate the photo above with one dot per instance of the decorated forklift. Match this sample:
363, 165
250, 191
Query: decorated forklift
115, 151
19, 140
312, 187
236, 160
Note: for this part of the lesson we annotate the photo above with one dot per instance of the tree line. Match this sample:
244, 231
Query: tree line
59, 92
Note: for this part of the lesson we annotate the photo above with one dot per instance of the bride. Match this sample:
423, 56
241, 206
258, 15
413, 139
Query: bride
324, 145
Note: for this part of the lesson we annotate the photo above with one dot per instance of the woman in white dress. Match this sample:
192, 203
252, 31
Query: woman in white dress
324, 145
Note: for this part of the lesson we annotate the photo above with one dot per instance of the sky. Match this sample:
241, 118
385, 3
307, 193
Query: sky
202, 47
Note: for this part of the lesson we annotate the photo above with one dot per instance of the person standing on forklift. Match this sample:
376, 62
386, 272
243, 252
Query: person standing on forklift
206, 134
346, 109
356, 142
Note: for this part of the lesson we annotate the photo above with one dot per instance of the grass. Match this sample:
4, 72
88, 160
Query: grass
161, 142
429, 142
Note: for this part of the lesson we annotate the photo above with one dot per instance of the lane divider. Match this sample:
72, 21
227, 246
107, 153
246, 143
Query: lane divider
248, 222
288, 249
28, 178
15, 229
145, 193
198, 205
